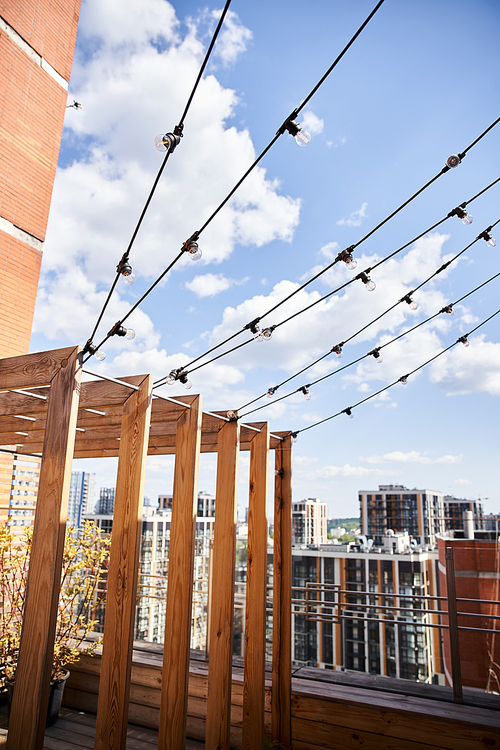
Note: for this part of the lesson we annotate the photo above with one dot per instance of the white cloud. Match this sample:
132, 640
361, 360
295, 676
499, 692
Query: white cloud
356, 218
134, 83
311, 123
342, 472
233, 38
210, 284
412, 457
469, 369
461, 482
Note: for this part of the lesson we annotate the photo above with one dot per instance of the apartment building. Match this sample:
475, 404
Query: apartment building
309, 524
454, 509
81, 496
419, 512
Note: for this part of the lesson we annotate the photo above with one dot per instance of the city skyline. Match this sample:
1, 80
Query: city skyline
382, 125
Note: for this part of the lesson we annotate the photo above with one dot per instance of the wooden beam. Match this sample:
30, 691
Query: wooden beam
114, 689
222, 604
31, 696
31, 370
255, 612
281, 721
176, 650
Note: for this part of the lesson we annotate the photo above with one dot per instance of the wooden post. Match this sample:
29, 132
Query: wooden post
116, 664
176, 650
255, 613
281, 717
31, 695
222, 611
451, 595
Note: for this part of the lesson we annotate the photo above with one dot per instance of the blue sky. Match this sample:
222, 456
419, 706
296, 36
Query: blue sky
419, 84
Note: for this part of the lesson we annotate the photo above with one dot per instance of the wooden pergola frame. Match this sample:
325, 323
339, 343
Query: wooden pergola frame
43, 400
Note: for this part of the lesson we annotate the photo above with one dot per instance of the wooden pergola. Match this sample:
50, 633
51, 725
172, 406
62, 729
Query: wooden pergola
46, 409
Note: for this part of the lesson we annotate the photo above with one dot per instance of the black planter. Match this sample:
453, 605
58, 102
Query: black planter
55, 698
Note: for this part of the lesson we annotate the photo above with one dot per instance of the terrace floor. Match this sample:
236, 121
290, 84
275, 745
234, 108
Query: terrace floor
75, 731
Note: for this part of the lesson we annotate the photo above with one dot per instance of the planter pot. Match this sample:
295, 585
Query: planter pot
55, 698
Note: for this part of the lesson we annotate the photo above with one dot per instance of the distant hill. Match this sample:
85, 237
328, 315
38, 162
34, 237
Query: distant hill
346, 523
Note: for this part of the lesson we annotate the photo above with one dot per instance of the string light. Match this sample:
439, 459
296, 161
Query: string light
369, 284
464, 340
184, 380
125, 269
448, 309
409, 301
454, 160
232, 416
119, 330
94, 351
337, 350
265, 334
302, 137
348, 412
486, 236
346, 257
305, 391
271, 391
376, 354
403, 379
191, 247
462, 214
167, 142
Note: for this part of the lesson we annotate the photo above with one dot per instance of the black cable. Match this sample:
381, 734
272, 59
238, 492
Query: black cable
178, 132
205, 61
349, 249
364, 356
399, 380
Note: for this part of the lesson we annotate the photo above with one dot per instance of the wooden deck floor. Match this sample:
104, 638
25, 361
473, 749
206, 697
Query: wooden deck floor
75, 731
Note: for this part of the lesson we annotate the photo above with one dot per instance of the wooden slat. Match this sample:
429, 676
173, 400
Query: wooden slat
31, 370
255, 612
112, 713
222, 602
29, 706
176, 652
281, 722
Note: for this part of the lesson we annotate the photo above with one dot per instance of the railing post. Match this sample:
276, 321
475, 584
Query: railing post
451, 595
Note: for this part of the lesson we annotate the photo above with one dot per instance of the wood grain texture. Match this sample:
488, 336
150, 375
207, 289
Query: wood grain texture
112, 713
255, 612
222, 591
176, 652
29, 706
33, 369
281, 722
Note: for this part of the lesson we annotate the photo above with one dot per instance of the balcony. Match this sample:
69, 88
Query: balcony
221, 703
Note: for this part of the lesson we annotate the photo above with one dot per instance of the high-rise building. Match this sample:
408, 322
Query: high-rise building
81, 496
24, 476
454, 509
37, 42
393, 506
309, 522
106, 504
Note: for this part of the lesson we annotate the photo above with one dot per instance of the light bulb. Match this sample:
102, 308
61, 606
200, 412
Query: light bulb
467, 219
305, 391
231, 415
448, 309
294, 437
349, 413
193, 250
413, 305
100, 355
337, 350
491, 242
378, 358
270, 392
453, 161
187, 384
464, 340
264, 335
130, 334
163, 142
351, 263
129, 278
171, 380
404, 379
302, 138
370, 285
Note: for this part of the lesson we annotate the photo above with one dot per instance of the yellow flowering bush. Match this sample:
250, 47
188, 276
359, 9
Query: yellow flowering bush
83, 586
